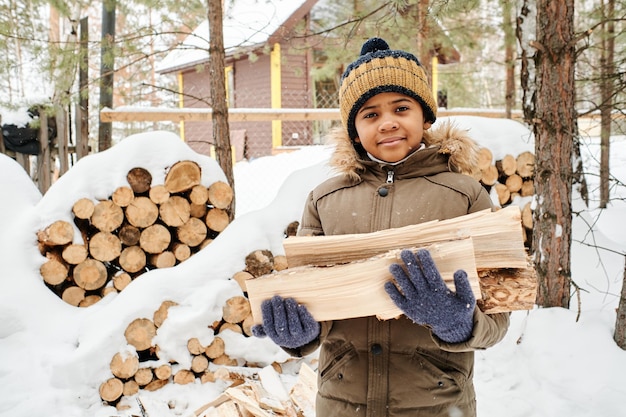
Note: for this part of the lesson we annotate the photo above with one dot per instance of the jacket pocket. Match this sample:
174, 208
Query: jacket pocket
332, 361
417, 382
445, 367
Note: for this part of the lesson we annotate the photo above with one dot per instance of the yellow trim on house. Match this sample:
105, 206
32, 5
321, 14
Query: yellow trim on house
435, 76
181, 104
228, 71
275, 91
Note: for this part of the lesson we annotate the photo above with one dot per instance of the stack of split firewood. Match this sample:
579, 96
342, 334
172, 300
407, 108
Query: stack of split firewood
510, 177
265, 396
132, 372
140, 227
331, 275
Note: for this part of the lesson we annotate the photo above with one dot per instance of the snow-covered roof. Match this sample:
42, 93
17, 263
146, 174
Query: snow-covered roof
246, 23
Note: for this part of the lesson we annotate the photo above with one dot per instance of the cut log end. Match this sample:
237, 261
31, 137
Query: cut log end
139, 333
58, 233
111, 389
183, 176
220, 195
139, 180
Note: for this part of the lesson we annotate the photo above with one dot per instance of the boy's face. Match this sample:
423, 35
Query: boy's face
390, 126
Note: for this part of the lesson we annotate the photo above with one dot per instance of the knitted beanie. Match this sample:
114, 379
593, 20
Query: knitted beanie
379, 70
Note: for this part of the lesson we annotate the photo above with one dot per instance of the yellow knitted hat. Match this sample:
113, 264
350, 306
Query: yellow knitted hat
378, 70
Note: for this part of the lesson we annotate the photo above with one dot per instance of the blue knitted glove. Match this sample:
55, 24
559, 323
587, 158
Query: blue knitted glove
287, 323
424, 297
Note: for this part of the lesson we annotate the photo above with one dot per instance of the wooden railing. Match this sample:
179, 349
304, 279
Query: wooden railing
137, 114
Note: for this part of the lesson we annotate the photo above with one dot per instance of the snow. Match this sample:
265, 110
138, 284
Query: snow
54, 356
246, 23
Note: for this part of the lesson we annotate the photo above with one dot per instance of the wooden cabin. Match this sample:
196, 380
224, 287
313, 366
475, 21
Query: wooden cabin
268, 65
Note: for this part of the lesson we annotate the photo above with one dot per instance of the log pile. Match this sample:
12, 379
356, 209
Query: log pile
137, 371
510, 177
140, 227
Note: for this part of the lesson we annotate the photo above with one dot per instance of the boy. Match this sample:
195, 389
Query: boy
394, 172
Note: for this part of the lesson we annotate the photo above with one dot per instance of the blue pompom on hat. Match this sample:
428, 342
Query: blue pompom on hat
378, 70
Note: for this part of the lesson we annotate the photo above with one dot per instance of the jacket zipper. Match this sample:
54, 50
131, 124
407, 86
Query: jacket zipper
390, 175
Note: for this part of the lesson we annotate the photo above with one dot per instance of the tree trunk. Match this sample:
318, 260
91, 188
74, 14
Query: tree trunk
509, 57
107, 70
82, 114
555, 130
221, 134
606, 105
423, 38
620, 323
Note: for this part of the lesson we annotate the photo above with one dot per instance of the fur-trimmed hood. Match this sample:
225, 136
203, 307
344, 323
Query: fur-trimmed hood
460, 148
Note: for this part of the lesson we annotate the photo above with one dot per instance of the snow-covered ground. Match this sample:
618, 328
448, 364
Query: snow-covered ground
53, 357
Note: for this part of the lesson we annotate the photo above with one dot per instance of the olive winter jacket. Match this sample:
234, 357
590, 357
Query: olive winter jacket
394, 368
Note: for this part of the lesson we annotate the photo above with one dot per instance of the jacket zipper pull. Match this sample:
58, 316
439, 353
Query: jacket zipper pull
390, 174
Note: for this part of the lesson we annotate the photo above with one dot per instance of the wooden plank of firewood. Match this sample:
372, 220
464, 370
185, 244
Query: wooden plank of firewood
356, 289
497, 237
229, 409
216, 402
246, 402
270, 380
303, 392
527, 216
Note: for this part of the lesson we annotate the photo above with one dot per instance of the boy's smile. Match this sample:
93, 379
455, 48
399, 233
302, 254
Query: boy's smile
390, 126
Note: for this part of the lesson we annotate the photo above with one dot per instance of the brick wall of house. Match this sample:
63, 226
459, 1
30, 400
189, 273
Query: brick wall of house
252, 89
